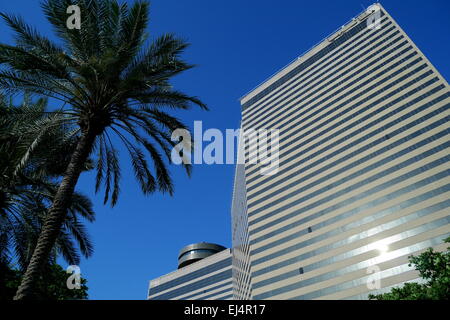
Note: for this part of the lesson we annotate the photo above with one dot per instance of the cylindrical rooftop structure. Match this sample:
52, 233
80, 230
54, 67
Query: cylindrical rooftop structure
197, 251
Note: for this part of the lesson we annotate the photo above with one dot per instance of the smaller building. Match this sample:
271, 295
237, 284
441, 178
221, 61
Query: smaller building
204, 273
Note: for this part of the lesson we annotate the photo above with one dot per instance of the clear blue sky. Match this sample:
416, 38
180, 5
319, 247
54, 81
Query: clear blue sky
236, 45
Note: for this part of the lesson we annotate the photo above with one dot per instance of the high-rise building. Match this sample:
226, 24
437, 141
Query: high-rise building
363, 175
204, 273
361, 183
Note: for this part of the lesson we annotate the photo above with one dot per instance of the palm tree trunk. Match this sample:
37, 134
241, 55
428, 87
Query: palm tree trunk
56, 216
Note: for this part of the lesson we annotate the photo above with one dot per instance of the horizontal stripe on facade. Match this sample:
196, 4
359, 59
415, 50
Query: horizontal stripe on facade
190, 276
353, 237
420, 82
323, 117
202, 294
310, 248
425, 181
411, 204
366, 122
335, 44
325, 67
399, 58
395, 271
208, 293
293, 187
426, 212
194, 286
278, 239
279, 114
349, 104
361, 174
366, 147
379, 260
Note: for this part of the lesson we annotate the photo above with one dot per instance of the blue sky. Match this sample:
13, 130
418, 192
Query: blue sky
236, 45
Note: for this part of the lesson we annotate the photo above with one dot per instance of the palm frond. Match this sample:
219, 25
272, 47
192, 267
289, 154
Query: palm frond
32, 157
112, 80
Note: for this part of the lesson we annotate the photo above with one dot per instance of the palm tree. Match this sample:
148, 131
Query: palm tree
112, 81
27, 189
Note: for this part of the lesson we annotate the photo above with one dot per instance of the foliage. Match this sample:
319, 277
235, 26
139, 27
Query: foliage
112, 81
50, 286
28, 178
434, 268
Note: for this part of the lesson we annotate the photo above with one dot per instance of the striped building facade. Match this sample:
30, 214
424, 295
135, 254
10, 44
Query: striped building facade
206, 279
363, 177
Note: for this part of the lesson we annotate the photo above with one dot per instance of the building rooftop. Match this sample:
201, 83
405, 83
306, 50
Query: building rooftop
308, 53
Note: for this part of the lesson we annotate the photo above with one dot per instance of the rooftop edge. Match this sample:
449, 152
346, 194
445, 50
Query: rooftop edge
351, 23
